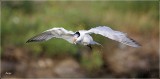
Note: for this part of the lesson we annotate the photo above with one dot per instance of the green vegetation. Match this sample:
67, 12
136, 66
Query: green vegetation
22, 20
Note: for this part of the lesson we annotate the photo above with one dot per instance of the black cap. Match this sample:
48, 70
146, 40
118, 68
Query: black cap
77, 33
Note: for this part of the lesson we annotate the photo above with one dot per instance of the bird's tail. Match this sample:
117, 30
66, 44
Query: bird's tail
96, 43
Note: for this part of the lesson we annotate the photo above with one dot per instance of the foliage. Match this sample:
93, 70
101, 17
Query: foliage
20, 20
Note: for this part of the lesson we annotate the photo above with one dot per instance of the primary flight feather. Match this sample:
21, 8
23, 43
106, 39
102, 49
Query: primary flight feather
83, 36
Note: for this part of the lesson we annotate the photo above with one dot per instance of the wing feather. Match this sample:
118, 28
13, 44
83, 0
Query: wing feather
114, 35
51, 33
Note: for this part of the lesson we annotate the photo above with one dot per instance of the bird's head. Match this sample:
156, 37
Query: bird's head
76, 35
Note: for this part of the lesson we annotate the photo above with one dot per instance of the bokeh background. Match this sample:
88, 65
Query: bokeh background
20, 20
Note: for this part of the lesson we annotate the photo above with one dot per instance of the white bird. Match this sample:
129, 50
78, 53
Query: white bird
83, 36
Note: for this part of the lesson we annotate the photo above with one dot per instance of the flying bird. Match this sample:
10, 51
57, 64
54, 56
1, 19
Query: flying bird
83, 36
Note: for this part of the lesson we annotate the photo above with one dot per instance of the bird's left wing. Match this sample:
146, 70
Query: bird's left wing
114, 35
51, 33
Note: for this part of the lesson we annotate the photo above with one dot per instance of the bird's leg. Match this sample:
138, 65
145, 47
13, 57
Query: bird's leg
89, 46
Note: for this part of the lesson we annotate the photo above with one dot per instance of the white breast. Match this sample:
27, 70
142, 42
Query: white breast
84, 40
87, 39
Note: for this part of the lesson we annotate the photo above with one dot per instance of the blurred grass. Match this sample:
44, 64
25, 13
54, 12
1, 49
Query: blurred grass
92, 62
24, 19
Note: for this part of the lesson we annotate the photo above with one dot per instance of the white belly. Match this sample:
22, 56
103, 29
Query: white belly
86, 40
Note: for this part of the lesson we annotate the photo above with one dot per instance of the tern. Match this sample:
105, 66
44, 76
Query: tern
83, 36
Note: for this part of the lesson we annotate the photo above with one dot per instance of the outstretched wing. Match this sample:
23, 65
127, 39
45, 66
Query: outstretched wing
114, 35
51, 33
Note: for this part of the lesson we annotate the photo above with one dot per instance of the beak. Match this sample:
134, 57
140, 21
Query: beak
74, 40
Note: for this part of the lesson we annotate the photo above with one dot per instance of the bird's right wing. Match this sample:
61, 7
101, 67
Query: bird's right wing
114, 35
51, 33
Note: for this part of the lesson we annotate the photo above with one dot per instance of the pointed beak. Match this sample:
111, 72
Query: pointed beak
74, 40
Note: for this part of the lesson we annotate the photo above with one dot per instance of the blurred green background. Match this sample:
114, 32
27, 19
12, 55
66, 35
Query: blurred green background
20, 20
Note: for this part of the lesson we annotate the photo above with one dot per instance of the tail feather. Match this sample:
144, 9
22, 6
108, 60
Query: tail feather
96, 43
